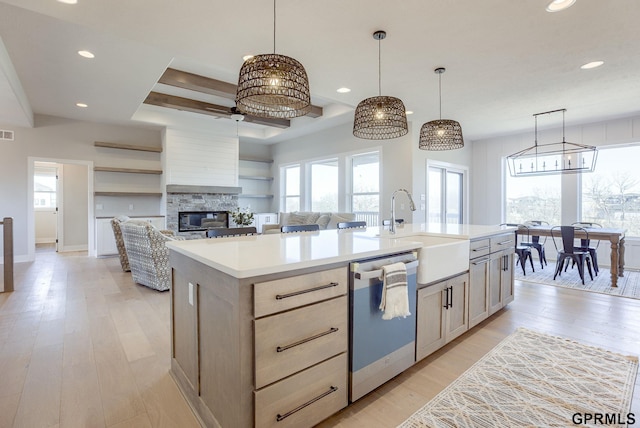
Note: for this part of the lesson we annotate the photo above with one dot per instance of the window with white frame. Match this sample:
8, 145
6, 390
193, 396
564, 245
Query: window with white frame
610, 195
365, 187
291, 188
446, 187
44, 187
533, 198
324, 185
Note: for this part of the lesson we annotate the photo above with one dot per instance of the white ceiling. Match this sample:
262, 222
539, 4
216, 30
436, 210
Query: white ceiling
505, 59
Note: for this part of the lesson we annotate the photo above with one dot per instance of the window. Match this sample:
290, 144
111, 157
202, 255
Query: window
291, 188
365, 187
611, 194
446, 187
324, 186
533, 198
44, 188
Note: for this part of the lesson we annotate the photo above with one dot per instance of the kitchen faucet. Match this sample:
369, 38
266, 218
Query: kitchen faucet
412, 206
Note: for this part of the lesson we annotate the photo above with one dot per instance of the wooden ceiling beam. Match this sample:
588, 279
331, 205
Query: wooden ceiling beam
207, 85
195, 106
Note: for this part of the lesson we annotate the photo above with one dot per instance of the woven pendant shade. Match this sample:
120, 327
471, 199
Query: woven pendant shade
273, 85
380, 118
441, 134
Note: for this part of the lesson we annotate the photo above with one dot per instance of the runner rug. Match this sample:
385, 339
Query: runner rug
628, 285
532, 379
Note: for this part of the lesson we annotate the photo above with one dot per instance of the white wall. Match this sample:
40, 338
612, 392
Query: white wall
396, 159
58, 138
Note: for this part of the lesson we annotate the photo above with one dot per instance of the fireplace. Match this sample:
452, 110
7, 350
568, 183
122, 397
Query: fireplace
191, 221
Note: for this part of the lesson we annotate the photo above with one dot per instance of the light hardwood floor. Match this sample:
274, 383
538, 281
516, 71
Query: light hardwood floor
81, 345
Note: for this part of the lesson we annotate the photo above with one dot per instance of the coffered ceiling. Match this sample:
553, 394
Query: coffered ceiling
505, 60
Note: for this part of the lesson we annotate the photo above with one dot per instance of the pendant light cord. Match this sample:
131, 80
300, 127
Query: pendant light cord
440, 92
274, 26
379, 70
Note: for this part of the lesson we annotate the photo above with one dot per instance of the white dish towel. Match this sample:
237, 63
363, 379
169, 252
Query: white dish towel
395, 291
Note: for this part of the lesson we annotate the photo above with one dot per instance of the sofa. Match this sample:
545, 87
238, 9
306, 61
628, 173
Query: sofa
147, 254
326, 220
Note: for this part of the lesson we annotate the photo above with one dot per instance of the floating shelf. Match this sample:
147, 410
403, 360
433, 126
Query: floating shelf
255, 196
128, 147
127, 170
127, 193
255, 177
252, 159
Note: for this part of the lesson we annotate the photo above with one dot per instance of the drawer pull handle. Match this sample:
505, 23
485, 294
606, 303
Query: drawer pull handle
486, 247
309, 290
481, 261
510, 241
308, 339
331, 390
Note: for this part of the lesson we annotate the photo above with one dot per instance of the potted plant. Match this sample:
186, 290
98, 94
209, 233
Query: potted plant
242, 217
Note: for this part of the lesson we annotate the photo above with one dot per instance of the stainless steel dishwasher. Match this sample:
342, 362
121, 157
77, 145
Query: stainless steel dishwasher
380, 349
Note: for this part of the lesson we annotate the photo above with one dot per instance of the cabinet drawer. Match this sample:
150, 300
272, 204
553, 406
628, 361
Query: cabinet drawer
503, 242
292, 341
305, 398
282, 294
479, 247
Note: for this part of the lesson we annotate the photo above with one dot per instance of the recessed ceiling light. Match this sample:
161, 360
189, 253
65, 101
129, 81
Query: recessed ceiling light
82, 105
592, 64
86, 54
246, 57
558, 5
68, 1
343, 90
408, 112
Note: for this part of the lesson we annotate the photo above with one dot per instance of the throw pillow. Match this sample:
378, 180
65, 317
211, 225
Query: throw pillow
297, 219
323, 220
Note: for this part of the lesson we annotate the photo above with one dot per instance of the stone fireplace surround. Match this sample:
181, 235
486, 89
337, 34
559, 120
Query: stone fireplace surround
198, 198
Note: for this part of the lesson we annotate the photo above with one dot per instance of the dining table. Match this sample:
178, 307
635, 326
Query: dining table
615, 236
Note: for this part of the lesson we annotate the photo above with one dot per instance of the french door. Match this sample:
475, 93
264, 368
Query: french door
446, 193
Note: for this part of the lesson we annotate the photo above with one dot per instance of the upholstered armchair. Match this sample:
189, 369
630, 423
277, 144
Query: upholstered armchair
147, 254
117, 233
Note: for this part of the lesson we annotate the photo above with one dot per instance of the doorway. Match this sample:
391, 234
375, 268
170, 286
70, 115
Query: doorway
446, 186
74, 223
46, 195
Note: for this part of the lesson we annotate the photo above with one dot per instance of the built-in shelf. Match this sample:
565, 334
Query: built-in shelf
127, 170
255, 196
127, 193
255, 159
128, 147
255, 177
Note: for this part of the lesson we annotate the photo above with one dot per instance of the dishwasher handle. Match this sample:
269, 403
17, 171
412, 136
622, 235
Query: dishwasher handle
376, 273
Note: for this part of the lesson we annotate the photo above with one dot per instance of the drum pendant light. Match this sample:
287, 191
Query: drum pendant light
441, 134
273, 85
381, 117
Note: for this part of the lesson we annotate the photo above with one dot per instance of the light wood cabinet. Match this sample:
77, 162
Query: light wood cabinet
490, 276
442, 314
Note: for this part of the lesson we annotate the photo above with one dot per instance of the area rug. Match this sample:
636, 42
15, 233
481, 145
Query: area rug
628, 285
532, 379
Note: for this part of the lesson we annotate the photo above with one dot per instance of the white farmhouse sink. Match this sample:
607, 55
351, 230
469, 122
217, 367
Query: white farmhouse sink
440, 257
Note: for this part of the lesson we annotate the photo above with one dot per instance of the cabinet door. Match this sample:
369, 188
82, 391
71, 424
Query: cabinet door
506, 277
478, 290
457, 321
105, 241
430, 329
495, 278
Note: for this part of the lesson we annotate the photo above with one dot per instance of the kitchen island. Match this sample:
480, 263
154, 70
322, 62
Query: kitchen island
260, 328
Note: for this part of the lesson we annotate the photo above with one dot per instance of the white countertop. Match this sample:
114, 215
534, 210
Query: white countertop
248, 256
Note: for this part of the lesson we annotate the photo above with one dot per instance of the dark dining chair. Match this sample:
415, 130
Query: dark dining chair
220, 232
537, 243
300, 228
567, 252
522, 249
585, 244
352, 225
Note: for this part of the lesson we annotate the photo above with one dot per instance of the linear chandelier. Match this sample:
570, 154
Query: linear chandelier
553, 158
381, 117
273, 85
441, 134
